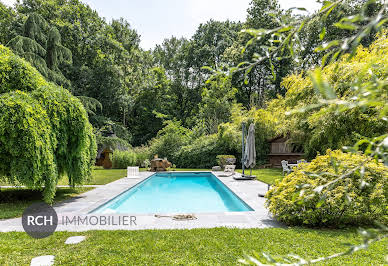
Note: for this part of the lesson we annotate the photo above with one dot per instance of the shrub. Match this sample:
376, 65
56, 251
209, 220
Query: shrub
143, 156
201, 153
75, 142
346, 203
230, 133
123, 159
223, 160
169, 141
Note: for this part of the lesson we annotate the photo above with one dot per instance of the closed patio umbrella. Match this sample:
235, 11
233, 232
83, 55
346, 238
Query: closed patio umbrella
250, 150
249, 154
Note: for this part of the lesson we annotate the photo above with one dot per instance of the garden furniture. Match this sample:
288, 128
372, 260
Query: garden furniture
286, 167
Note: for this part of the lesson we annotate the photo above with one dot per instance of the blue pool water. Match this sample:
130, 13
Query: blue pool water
176, 193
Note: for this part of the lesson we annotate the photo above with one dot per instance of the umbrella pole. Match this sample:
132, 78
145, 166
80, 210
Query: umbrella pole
242, 157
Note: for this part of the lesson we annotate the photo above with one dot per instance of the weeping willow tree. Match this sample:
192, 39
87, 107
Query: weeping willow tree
45, 133
41, 45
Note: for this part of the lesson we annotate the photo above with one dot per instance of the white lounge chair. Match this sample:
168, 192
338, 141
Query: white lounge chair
133, 172
286, 167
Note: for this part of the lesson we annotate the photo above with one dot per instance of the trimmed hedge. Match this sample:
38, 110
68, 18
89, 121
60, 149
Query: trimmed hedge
346, 203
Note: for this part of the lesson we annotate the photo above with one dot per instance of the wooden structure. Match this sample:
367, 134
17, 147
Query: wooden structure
104, 159
158, 164
281, 149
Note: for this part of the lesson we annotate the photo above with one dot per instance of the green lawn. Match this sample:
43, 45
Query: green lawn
268, 175
102, 176
13, 201
99, 176
219, 246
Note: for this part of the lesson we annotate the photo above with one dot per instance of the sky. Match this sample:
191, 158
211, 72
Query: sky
156, 20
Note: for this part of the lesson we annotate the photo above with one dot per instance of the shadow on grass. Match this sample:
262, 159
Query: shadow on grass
13, 201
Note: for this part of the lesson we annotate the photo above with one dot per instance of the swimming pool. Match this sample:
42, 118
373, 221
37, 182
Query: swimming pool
176, 193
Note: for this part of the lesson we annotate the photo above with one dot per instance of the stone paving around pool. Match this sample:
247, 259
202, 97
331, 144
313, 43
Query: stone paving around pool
74, 214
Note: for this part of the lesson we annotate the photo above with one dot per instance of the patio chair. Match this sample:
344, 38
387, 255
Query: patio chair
133, 172
286, 167
228, 171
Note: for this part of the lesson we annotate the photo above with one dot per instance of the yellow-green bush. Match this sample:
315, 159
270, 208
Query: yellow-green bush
229, 134
347, 202
17, 74
325, 128
223, 160
143, 156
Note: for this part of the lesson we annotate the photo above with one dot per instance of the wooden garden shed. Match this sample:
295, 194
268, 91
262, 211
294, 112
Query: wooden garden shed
103, 158
282, 149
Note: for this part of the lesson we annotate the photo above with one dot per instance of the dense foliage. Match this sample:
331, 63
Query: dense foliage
26, 139
351, 29
321, 128
123, 159
190, 148
355, 200
223, 160
44, 130
163, 99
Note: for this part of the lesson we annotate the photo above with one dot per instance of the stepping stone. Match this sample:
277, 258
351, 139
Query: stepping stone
75, 239
43, 261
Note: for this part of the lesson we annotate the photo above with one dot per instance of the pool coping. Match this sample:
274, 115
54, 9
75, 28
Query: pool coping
82, 205
169, 213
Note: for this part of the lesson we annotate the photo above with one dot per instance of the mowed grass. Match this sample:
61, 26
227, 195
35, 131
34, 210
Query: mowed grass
267, 175
99, 176
218, 246
13, 201
102, 176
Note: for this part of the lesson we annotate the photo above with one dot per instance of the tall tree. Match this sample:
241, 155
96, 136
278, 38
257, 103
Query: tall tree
41, 45
172, 55
262, 82
7, 17
324, 29
217, 100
